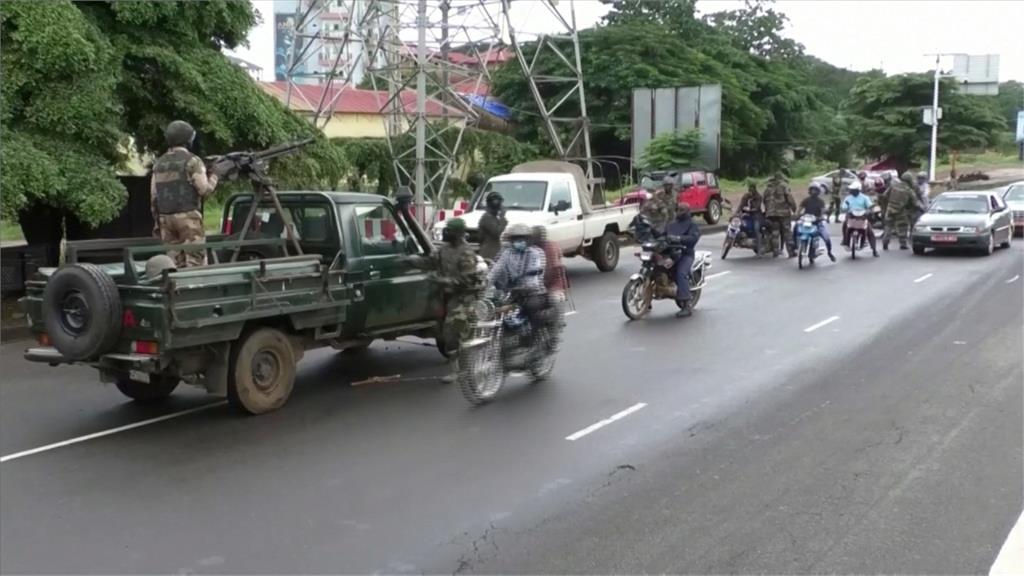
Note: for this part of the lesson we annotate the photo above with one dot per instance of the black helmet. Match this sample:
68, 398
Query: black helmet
494, 199
814, 189
179, 133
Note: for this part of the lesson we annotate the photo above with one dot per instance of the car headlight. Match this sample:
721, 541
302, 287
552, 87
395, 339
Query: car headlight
969, 229
920, 228
438, 233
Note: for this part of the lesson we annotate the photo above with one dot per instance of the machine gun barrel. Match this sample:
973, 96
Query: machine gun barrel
281, 149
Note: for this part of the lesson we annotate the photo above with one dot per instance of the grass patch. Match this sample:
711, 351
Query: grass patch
10, 232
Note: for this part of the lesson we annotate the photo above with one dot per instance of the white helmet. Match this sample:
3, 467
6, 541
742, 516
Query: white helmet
855, 185
518, 229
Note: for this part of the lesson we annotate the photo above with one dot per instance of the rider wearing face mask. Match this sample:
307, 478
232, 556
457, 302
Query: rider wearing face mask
520, 271
683, 234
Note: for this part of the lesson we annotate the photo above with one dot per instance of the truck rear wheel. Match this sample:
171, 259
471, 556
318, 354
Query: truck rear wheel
605, 252
262, 371
158, 388
82, 311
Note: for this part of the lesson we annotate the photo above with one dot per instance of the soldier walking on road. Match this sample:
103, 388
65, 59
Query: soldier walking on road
492, 225
835, 194
455, 268
903, 202
779, 208
179, 185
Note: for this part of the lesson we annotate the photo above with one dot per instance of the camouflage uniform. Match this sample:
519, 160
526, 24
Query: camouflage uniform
835, 196
660, 209
903, 201
177, 189
779, 207
455, 268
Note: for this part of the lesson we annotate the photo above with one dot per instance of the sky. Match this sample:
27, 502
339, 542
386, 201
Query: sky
894, 35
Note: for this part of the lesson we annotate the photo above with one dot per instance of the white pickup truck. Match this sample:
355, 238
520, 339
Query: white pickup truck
555, 194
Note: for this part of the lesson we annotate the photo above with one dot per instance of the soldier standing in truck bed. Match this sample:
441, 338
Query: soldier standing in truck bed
180, 182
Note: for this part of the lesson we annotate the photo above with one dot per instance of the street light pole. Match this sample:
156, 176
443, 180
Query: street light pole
935, 122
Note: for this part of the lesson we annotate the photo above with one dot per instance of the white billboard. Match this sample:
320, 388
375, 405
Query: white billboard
977, 74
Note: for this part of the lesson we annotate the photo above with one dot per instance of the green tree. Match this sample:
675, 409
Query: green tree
757, 28
886, 118
86, 81
1009, 101
671, 149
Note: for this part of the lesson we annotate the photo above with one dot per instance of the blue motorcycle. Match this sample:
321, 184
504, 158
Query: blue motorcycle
740, 233
808, 238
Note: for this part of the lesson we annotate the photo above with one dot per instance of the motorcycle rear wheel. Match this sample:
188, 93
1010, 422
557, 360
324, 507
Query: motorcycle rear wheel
542, 367
636, 298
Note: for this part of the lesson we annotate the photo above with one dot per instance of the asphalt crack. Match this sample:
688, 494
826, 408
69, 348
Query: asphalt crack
485, 547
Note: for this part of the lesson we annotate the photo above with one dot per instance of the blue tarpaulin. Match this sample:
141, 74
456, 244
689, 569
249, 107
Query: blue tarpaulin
491, 105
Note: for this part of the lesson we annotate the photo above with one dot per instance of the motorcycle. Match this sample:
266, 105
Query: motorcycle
808, 240
504, 341
655, 280
740, 233
857, 224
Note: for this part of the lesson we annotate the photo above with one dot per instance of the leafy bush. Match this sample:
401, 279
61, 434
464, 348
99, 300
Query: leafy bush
670, 150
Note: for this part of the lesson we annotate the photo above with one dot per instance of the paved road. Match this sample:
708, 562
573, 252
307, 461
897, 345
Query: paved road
886, 439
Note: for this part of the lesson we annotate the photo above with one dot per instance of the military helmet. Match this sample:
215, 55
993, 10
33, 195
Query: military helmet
156, 265
518, 230
814, 189
456, 225
922, 176
907, 177
667, 180
179, 133
887, 176
862, 175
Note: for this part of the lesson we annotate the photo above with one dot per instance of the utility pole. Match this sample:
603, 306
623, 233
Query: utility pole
935, 122
421, 110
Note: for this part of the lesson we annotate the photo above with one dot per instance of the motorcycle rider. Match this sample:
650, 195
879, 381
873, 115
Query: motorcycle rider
455, 267
815, 206
661, 207
682, 235
779, 207
903, 203
520, 271
857, 201
752, 206
492, 224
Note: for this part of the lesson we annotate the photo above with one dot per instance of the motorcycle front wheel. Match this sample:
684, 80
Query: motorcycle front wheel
726, 246
636, 298
481, 372
854, 244
802, 253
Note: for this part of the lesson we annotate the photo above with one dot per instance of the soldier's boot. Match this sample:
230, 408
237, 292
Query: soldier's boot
453, 371
885, 243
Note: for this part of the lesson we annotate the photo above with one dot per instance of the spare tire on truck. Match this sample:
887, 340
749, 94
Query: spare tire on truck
82, 311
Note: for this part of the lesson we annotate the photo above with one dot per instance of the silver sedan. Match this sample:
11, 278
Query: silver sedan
964, 220
1014, 198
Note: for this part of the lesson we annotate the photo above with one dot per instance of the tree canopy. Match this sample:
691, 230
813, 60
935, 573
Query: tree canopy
84, 82
886, 118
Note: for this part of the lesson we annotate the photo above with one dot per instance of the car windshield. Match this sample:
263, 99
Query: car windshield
653, 180
518, 195
1015, 193
960, 205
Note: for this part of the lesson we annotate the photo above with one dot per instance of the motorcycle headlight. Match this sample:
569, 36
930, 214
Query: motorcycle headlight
645, 256
969, 229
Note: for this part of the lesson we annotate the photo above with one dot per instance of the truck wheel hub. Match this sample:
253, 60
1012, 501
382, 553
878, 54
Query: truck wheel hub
266, 367
74, 312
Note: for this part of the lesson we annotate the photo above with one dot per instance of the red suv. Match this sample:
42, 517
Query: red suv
698, 188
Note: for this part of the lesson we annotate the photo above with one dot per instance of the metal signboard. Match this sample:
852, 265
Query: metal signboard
1020, 126
977, 74
660, 110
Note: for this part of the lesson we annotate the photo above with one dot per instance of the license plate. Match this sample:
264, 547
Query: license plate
943, 238
138, 376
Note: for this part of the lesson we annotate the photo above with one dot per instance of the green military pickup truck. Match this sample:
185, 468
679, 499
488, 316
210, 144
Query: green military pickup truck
238, 326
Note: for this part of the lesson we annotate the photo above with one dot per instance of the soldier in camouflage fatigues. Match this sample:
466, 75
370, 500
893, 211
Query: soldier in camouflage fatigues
903, 201
661, 208
455, 268
177, 189
836, 192
779, 207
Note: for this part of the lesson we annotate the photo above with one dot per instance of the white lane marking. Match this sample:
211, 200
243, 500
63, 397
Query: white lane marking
1014, 279
598, 425
824, 322
923, 278
103, 433
1011, 556
717, 274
